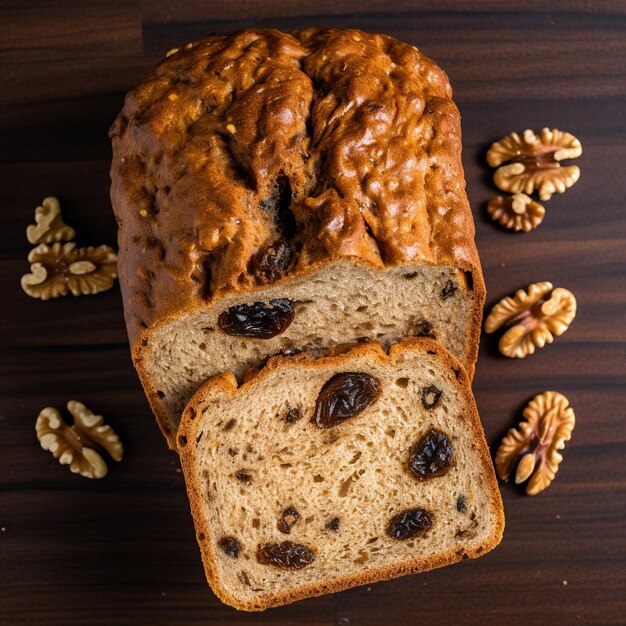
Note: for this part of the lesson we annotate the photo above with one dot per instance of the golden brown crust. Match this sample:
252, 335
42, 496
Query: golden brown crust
225, 385
334, 143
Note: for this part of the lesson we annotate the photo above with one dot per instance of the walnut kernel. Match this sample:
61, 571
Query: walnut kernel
534, 447
517, 212
533, 317
49, 226
61, 268
79, 445
531, 162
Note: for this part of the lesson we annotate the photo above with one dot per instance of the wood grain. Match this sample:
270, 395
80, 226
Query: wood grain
122, 550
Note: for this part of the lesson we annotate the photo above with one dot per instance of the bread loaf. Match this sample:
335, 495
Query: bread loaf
278, 191
318, 475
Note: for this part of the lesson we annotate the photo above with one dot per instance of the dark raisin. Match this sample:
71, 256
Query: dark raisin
421, 328
410, 523
244, 476
333, 524
293, 415
260, 320
287, 555
272, 263
343, 396
232, 452
230, 546
449, 289
430, 396
461, 504
288, 519
432, 456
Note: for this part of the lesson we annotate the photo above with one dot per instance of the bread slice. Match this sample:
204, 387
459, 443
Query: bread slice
319, 168
271, 461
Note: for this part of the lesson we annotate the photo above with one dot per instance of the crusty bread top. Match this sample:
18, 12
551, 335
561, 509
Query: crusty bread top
299, 148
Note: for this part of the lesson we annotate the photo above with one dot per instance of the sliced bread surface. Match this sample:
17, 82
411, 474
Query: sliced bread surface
291, 501
340, 303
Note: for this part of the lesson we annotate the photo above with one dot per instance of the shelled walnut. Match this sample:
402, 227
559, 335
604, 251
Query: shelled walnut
61, 268
79, 445
517, 212
532, 162
534, 447
533, 317
49, 226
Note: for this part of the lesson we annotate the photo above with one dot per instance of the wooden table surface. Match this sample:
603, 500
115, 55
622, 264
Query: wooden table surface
122, 550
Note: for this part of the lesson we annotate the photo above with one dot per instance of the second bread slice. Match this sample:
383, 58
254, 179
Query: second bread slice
321, 474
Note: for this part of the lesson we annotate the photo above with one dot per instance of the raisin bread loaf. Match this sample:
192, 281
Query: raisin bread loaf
318, 475
276, 191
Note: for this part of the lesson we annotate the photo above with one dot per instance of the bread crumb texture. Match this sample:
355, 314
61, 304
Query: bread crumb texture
404, 485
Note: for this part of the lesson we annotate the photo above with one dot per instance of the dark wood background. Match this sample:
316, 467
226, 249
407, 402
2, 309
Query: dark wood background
122, 550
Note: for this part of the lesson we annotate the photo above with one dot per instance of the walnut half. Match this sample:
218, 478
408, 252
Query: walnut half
533, 317
531, 162
79, 445
517, 212
61, 268
49, 225
534, 447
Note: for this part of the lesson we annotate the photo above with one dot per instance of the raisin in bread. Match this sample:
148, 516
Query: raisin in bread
321, 474
277, 191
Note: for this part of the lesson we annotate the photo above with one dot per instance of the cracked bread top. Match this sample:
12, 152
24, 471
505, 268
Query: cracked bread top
248, 158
